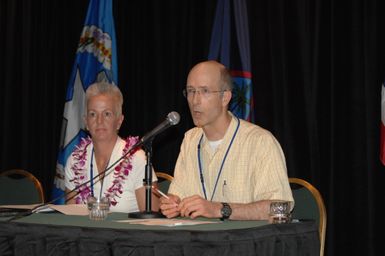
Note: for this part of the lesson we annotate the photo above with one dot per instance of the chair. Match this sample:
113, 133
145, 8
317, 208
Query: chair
20, 187
164, 181
309, 205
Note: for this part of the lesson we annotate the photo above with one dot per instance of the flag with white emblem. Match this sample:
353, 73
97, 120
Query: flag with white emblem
96, 60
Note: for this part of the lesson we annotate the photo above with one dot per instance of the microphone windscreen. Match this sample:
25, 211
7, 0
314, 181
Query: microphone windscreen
173, 117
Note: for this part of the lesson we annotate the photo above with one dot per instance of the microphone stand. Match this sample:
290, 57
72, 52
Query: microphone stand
148, 213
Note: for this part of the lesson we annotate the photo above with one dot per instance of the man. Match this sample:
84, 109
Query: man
227, 168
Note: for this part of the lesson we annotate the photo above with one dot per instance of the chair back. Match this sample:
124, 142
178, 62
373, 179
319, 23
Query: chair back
164, 181
20, 187
309, 205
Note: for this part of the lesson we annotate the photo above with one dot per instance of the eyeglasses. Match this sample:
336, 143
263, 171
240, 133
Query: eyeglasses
204, 92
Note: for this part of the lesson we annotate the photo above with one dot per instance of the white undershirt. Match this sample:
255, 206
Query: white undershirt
214, 144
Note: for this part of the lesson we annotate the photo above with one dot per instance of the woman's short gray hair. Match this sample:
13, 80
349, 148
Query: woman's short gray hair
106, 89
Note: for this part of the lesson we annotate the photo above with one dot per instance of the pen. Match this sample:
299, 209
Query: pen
224, 188
160, 192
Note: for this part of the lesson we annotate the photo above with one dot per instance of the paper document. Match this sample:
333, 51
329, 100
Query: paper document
166, 222
67, 209
21, 206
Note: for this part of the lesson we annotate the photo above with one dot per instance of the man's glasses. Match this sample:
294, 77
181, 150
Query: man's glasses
204, 92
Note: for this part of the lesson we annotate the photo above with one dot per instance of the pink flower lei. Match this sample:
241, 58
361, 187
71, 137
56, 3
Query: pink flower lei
121, 171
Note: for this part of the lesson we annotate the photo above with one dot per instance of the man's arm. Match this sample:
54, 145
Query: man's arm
251, 211
196, 206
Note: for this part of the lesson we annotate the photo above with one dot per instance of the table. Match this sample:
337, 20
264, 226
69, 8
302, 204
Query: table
59, 234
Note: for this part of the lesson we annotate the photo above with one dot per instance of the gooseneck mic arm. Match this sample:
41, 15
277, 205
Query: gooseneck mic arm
171, 119
106, 171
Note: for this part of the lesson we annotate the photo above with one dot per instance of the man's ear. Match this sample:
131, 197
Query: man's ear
226, 97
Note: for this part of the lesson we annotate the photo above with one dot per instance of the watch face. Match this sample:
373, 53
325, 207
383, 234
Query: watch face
226, 211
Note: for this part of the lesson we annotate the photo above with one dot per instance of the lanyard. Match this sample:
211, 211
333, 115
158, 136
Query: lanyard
220, 169
92, 176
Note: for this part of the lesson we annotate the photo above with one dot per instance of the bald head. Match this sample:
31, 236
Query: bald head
213, 72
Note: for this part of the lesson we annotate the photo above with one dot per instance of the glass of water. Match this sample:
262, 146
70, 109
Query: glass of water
279, 212
98, 208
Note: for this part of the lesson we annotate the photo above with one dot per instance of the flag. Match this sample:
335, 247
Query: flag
382, 141
237, 58
96, 60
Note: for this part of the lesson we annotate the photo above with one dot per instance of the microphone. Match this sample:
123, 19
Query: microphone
171, 119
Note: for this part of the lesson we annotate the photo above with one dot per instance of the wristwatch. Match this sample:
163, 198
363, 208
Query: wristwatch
226, 211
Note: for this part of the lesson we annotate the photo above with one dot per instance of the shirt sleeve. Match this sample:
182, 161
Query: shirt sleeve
69, 174
179, 173
271, 181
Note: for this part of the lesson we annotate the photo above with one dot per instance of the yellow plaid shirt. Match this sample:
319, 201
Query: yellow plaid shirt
253, 170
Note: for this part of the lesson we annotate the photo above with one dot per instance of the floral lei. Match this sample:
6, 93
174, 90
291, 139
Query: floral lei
121, 171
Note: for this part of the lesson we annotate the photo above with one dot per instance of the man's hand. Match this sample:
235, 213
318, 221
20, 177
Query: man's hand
169, 206
195, 206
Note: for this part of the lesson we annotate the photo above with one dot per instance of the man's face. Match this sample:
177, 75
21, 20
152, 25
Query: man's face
101, 119
205, 99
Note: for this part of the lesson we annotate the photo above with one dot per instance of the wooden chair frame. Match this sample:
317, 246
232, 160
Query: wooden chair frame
321, 208
29, 176
164, 176
164, 184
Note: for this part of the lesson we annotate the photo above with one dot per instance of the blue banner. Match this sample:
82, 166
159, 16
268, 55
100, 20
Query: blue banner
236, 58
96, 60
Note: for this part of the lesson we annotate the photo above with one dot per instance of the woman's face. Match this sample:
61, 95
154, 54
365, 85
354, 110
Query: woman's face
101, 119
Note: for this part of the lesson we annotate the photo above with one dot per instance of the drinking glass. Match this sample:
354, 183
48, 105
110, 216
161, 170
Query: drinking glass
98, 209
279, 212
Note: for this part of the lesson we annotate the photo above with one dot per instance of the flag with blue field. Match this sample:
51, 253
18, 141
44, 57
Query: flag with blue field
236, 56
96, 60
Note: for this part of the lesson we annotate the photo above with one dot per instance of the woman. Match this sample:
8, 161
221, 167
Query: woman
122, 184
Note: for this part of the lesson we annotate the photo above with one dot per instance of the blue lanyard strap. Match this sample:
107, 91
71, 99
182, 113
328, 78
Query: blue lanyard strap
200, 168
92, 172
92, 176
220, 170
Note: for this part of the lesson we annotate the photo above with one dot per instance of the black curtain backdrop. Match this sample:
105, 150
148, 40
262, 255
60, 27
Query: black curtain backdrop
317, 65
